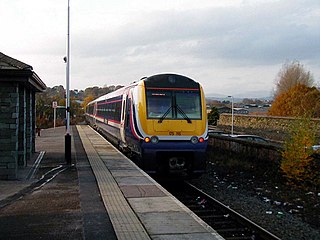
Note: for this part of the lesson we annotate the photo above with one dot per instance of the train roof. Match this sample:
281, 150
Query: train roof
164, 80
113, 94
170, 80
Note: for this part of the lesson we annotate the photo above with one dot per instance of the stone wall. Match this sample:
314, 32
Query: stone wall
275, 128
17, 123
9, 119
26, 125
258, 154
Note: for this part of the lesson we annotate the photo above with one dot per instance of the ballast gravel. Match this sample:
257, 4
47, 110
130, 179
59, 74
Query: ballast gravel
290, 215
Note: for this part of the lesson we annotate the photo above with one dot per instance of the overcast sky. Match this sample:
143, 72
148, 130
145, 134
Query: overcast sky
232, 47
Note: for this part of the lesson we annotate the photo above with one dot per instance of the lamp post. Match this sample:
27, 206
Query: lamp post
68, 136
232, 115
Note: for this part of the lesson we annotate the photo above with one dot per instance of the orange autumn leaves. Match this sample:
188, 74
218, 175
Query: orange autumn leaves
300, 100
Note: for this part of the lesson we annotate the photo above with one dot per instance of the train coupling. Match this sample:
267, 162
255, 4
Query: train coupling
176, 163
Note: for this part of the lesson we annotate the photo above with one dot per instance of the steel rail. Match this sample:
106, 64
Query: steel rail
263, 233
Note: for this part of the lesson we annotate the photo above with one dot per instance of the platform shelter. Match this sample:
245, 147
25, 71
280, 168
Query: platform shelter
18, 87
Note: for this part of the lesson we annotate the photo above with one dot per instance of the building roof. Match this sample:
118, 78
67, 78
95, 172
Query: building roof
14, 70
7, 62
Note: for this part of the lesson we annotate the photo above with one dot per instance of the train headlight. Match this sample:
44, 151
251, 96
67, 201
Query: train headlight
154, 139
147, 139
194, 140
201, 140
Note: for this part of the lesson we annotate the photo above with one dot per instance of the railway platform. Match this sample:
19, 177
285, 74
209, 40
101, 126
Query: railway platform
101, 195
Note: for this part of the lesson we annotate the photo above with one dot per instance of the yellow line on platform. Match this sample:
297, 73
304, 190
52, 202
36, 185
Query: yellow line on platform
125, 222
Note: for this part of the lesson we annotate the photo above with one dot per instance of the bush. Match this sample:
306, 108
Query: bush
213, 116
298, 159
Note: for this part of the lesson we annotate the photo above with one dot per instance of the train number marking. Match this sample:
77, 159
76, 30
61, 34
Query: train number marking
175, 133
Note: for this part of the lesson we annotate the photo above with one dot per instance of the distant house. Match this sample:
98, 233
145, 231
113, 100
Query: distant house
18, 86
225, 109
240, 111
252, 105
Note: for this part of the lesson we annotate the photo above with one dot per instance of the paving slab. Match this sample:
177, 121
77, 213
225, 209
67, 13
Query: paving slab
118, 164
127, 173
188, 236
138, 191
170, 223
133, 181
154, 205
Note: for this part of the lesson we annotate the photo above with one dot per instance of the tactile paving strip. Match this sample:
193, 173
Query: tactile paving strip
125, 222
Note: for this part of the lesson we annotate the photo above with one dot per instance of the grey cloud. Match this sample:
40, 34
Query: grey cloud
268, 33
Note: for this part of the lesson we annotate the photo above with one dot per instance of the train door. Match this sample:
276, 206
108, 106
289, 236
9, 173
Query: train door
123, 117
94, 114
127, 117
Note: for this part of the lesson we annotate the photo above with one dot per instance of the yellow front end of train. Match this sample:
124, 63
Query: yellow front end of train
171, 117
175, 128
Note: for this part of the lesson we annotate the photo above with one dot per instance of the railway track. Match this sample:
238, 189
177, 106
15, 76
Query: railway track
228, 223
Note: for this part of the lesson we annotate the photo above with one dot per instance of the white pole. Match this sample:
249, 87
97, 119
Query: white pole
54, 117
68, 136
68, 74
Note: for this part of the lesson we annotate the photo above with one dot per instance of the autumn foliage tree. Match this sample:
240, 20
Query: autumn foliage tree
298, 161
86, 100
295, 94
300, 100
292, 74
295, 97
44, 101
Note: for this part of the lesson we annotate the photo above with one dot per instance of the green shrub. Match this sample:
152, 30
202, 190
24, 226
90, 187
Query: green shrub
213, 116
298, 162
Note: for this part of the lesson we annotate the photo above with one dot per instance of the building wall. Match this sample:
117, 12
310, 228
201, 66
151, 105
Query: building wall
17, 133
9, 120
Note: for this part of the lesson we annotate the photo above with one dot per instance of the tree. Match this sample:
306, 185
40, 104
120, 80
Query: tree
213, 116
87, 100
44, 112
44, 104
97, 91
292, 74
298, 163
298, 101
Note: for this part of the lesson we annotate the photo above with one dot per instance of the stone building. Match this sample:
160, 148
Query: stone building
18, 86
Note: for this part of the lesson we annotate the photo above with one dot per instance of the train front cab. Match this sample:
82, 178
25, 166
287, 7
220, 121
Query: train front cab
174, 122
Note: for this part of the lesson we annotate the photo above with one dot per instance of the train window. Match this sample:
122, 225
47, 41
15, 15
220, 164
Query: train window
128, 109
91, 109
100, 109
159, 103
189, 103
117, 111
174, 104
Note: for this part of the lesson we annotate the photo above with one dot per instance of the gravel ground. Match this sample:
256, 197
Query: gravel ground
290, 214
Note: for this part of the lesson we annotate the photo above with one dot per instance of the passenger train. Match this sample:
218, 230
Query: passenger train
161, 120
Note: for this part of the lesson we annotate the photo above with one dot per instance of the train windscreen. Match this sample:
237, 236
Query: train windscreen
159, 103
173, 104
189, 104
